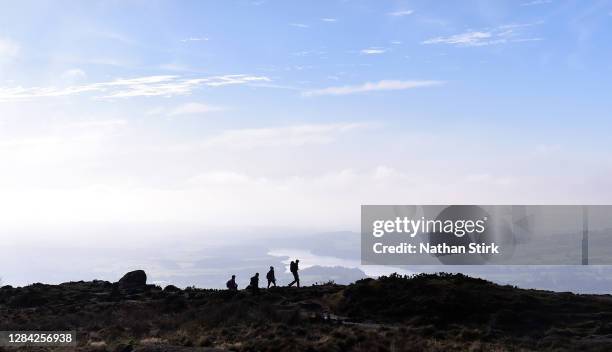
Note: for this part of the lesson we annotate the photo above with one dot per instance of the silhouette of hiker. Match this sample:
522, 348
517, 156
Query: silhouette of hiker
293, 267
231, 284
255, 283
271, 278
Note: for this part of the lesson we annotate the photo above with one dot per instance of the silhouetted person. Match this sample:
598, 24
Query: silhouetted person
271, 278
294, 267
231, 284
255, 283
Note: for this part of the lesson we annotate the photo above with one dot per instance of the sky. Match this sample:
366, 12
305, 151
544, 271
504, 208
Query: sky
261, 115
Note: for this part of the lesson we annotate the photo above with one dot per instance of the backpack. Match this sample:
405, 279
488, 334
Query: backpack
293, 267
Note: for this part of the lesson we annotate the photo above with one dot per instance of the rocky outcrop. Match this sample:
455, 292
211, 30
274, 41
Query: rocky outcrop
133, 281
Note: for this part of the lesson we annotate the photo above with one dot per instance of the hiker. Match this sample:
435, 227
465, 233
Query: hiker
293, 267
255, 283
271, 278
231, 284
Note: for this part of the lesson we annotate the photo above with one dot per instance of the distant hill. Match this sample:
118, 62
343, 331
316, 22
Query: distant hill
440, 312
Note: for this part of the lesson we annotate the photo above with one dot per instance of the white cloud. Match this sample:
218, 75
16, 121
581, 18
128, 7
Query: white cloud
218, 81
299, 25
520, 40
510, 33
151, 86
194, 39
373, 51
21, 93
371, 87
164, 85
327, 19
536, 2
465, 39
9, 49
290, 136
401, 13
75, 74
396, 42
194, 108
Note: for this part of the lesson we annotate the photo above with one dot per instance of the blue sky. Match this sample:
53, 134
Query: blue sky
291, 114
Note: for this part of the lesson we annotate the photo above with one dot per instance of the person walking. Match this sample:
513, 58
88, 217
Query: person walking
271, 278
255, 284
294, 267
231, 284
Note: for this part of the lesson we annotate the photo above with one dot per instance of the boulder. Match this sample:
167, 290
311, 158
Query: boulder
134, 280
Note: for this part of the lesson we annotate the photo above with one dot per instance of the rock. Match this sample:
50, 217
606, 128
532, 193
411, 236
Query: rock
134, 280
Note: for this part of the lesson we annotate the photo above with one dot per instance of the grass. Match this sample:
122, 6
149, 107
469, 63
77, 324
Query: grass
439, 312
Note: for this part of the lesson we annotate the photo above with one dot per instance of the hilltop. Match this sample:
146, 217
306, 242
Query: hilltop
440, 312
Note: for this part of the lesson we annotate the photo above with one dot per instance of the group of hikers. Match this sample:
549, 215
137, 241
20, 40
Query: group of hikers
254, 284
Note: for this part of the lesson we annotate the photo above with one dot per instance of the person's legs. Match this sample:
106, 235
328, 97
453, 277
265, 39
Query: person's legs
296, 279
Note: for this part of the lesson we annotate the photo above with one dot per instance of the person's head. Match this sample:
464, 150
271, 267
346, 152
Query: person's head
297, 260
256, 274
271, 268
233, 277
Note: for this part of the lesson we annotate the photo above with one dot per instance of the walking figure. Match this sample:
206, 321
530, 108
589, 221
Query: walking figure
231, 284
271, 278
294, 267
255, 283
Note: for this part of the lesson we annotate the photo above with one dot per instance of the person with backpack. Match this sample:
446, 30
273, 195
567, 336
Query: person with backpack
271, 278
294, 267
231, 284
